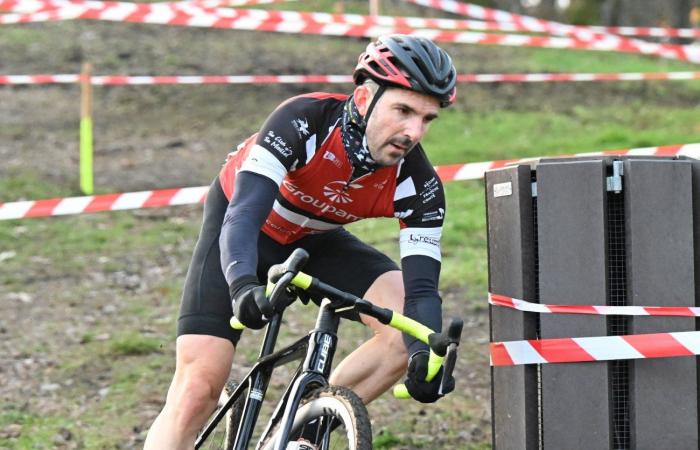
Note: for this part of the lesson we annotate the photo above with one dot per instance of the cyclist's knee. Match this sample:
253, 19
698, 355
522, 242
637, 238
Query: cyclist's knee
395, 349
192, 398
203, 364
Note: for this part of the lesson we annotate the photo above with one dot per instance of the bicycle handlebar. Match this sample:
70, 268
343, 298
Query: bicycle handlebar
443, 346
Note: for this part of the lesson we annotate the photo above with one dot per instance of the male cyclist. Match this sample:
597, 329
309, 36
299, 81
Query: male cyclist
321, 161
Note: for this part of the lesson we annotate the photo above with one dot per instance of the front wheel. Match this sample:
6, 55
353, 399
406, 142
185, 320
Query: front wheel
331, 418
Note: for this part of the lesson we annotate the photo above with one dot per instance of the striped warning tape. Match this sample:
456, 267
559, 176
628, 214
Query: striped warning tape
33, 6
326, 24
169, 197
587, 349
299, 79
535, 25
523, 305
527, 23
106, 202
656, 32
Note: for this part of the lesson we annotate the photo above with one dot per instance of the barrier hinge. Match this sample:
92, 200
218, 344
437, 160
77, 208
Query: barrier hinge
534, 188
614, 183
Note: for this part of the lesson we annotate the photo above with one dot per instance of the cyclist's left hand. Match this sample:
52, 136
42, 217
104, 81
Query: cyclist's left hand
421, 390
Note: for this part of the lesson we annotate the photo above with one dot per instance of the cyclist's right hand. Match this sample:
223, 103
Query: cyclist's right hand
416, 384
250, 305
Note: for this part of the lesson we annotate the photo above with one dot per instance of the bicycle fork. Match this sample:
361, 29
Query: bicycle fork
314, 372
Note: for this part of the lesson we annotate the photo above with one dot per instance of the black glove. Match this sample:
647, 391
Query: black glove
421, 390
249, 302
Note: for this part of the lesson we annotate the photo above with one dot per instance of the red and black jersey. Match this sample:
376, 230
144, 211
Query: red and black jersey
300, 148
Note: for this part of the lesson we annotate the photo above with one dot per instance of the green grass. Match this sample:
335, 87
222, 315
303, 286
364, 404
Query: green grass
459, 137
134, 344
35, 430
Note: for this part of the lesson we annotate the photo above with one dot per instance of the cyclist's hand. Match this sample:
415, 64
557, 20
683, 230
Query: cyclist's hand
249, 302
421, 390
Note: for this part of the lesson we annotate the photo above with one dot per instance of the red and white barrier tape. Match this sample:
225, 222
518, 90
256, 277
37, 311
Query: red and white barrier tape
324, 24
34, 6
169, 197
656, 32
476, 171
283, 79
604, 310
179, 79
587, 349
107, 202
535, 25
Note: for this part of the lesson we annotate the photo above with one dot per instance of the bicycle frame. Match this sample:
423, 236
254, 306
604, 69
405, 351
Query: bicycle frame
317, 348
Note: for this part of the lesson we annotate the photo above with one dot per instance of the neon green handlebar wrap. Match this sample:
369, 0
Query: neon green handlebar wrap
420, 332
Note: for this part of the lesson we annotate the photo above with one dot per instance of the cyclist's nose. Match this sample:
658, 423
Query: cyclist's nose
414, 129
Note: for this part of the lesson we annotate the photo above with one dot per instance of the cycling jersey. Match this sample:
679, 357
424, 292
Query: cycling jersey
298, 169
300, 148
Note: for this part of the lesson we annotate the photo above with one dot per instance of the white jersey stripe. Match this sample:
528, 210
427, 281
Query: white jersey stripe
301, 220
420, 241
264, 163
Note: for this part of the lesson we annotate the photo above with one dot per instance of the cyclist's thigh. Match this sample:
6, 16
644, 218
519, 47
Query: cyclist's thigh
343, 261
206, 304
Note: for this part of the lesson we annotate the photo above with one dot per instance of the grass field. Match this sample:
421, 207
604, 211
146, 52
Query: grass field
88, 303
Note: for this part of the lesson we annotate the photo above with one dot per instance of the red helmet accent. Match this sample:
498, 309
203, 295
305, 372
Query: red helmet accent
376, 62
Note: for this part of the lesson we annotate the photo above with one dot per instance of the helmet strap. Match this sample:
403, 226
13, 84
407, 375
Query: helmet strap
373, 103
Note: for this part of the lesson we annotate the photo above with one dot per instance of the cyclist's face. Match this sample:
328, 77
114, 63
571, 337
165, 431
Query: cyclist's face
398, 122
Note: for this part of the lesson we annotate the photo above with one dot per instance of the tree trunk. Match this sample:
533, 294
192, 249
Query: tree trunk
513, 6
610, 13
547, 9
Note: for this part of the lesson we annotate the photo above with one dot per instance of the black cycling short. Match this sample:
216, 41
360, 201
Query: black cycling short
337, 258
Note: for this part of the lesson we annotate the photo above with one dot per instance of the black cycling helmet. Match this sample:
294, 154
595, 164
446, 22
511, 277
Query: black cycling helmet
409, 62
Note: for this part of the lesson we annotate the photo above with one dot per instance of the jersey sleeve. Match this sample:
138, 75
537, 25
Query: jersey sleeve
284, 140
419, 204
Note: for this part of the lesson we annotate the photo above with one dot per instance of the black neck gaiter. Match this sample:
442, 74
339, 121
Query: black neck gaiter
353, 133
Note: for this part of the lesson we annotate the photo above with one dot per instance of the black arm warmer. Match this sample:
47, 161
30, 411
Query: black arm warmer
423, 302
251, 203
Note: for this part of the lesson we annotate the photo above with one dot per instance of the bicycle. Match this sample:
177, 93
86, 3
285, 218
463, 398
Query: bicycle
328, 416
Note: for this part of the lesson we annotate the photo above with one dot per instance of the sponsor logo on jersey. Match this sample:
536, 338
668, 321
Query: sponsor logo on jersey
433, 215
420, 239
403, 214
337, 191
331, 157
325, 208
430, 188
380, 185
302, 127
277, 143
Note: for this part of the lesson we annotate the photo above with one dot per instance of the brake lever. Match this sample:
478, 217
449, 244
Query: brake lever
447, 384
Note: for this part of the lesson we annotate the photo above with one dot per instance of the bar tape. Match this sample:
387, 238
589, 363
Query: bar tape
183, 196
588, 349
325, 24
604, 310
104, 80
